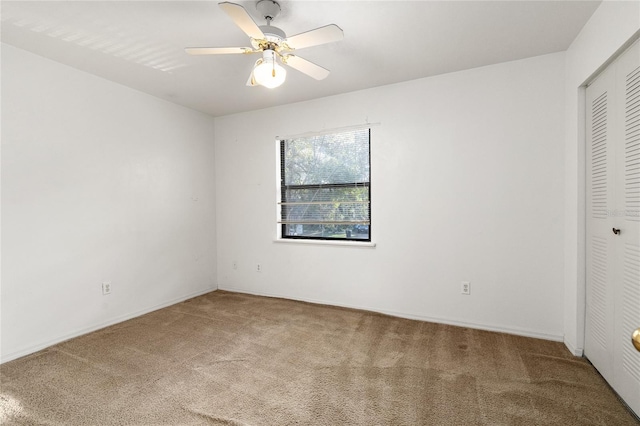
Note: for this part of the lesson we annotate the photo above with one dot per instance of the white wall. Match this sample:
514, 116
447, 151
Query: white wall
611, 26
99, 183
467, 184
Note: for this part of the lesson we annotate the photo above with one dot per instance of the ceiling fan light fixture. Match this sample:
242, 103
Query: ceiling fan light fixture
269, 73
273, 42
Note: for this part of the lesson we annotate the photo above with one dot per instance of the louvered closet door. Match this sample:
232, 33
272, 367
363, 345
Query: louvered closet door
599, 325
627, 219
613, 203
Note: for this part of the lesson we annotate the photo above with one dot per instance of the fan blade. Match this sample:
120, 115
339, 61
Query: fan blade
306, 67
242, 19
322, 35
217, 50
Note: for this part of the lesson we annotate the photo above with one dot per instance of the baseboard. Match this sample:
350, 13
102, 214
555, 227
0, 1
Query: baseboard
95, 327
439, 320
575, 351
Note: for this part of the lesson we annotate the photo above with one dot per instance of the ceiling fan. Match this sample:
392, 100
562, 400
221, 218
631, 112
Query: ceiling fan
274, 44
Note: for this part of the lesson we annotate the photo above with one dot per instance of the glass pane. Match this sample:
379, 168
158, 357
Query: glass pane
327, 159
351, 232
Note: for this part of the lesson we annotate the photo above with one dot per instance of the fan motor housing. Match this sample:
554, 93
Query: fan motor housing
271, 31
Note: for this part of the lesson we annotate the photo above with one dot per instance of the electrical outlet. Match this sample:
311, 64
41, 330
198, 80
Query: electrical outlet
258, 268
106, 288
466, 287
235, 264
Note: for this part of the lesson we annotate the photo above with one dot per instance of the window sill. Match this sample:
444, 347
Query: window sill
363, 244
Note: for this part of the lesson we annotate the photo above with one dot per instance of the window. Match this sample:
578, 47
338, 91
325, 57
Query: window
325, 187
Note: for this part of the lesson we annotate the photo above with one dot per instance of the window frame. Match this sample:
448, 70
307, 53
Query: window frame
282, 188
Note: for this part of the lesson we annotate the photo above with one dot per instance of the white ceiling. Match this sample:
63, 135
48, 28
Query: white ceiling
140, 43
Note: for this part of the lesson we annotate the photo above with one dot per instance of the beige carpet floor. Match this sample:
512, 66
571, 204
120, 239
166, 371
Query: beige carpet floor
234, 359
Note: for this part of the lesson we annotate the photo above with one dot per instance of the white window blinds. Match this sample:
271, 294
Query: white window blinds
325, 186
